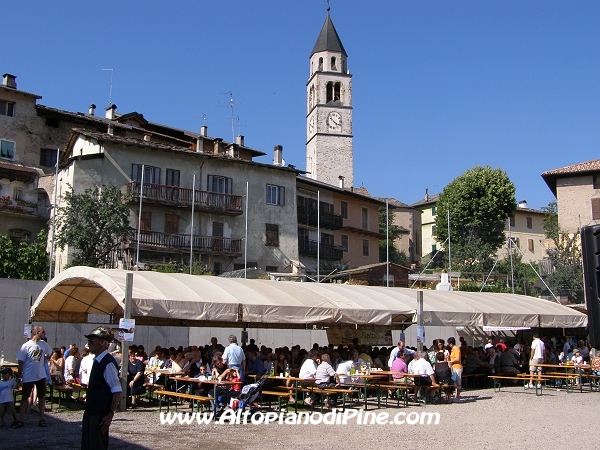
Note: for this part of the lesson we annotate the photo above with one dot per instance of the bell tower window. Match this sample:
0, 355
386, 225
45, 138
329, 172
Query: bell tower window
333, 67
333, 91
320, 64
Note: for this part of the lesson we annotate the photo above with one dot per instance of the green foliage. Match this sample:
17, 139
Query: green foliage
479, 202
567, 277
24, 261
95, 222
198, 268
525, 277
472, 286
396, 256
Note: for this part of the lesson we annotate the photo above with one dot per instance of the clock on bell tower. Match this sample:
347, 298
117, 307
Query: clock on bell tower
329, 152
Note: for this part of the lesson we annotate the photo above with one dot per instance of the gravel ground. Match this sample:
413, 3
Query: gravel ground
513, 418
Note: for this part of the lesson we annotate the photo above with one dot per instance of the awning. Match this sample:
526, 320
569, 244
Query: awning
190, 300
181, 299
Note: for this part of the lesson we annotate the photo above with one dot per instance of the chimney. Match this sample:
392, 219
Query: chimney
9, 80
341, 178
239, 140
147, 137
110, 111
426, 194
523, 204
111, 130
217, 146
199, 144
92, 109
204, 131
278, 155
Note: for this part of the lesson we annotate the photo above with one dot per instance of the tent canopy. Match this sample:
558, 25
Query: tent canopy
189, 300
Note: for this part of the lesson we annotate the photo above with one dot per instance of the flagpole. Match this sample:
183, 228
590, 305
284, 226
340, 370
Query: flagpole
318, 236
54, 212
387, 242
246, 236
139, 228
192, 227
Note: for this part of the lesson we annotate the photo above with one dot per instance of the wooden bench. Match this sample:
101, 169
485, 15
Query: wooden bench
169, 395
474, 376
65, 391
279, 395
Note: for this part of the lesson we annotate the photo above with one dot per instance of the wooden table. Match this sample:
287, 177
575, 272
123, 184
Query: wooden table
215, 384
578, 368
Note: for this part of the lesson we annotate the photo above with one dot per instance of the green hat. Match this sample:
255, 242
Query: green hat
100, 333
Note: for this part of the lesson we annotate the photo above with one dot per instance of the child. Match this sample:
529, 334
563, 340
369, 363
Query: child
7, 405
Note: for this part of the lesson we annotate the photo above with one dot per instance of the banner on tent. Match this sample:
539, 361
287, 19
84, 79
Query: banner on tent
344, 336
489, 329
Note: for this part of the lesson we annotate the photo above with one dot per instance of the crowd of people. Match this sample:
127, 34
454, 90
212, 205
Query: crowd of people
443, 363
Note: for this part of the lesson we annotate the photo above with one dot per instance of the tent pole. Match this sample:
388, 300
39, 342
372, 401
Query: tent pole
318, 236
420, 328
125, 344
139, 228
192, 223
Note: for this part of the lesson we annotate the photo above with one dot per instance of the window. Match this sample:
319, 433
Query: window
333, 65
596, 182
518, 242
17, 194
271, 268
146, 223
48, 157
365, 245
511, 221
217, 229
333, 91
434, 210
529, 222
345, 242
7, 108
433, 230
172, 177
596, 209
530, 245
275, 195
434, 248
171, 224
365, 219
344, 209
327, 239
216, 183
151, 174
217, 268
272, 235
303, 235
320, 64
7, 149
52, 122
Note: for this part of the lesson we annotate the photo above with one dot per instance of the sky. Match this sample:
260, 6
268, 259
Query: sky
438, 87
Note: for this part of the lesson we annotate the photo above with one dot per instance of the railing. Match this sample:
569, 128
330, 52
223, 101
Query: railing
21, 207
308, 216
175, 195
309, 248
202, 244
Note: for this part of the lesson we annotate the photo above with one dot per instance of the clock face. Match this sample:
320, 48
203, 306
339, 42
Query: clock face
334, 121
311, 125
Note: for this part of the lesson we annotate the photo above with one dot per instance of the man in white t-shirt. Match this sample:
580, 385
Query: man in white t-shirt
33, 357
395, 350
308, 371
537, 357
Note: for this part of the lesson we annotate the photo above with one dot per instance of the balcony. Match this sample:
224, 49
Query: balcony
330, 252
176, 196
308, 216
214, 245
22, 207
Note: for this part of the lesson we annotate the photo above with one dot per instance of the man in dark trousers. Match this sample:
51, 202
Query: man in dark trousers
103, 393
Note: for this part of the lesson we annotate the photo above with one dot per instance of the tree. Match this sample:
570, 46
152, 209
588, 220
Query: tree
95, 222
395, 232
24, 261
567, 276
479, 202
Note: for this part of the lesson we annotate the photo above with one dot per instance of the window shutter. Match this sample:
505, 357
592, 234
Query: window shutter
135, 172
281, 195
156, 179
228, 185
209, 183
596, 209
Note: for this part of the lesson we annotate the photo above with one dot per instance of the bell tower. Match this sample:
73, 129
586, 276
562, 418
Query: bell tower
329, 111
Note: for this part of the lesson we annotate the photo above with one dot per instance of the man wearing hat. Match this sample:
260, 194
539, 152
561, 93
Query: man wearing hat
103, 394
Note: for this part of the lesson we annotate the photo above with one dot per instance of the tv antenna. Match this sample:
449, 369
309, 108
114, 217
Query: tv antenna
233, 117
111, 82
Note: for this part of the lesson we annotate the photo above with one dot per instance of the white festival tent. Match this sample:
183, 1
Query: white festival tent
191, 300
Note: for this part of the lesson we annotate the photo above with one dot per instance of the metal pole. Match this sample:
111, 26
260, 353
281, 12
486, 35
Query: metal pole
139, 230
125, 344
192, 227
318, 236
510, 244
449, 252
55, 210
387, 246
420, 328
246, 236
